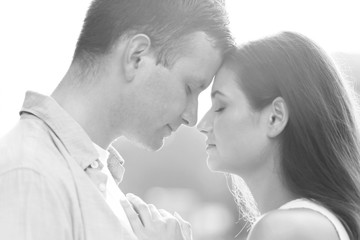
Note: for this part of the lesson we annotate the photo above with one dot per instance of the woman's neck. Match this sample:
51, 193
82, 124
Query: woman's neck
268, 189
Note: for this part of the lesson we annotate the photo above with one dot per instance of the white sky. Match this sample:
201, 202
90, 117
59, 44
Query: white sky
38, 38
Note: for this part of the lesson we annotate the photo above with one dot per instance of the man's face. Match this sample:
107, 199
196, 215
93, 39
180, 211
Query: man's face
165, 98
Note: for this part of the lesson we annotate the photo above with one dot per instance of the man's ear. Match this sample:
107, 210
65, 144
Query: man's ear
138, 46
278, 117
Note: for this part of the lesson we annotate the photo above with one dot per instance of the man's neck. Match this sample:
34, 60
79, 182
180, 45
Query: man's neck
85, 106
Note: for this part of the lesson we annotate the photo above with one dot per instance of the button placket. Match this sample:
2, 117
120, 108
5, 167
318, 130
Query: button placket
97, 176
95, 164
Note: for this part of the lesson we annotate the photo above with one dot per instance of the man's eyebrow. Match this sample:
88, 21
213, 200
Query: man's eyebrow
203, 86
213, 94
198, 79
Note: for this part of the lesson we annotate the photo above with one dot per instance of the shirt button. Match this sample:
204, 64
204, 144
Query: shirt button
94, 164
102, 187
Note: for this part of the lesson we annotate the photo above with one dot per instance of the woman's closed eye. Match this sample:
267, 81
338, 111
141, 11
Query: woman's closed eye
220, 109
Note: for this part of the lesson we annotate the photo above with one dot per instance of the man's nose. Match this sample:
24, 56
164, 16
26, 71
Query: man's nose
190, 114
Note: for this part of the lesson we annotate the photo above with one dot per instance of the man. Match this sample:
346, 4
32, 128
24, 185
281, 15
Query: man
137, 71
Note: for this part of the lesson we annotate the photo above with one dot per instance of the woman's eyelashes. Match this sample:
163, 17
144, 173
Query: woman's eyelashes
219, 109
217, 106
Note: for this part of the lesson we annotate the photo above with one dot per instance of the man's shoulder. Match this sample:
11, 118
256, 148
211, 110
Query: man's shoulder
28, 145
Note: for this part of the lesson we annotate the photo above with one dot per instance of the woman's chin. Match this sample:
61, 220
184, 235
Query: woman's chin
214, 164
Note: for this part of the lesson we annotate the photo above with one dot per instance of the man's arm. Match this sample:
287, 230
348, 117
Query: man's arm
30, 208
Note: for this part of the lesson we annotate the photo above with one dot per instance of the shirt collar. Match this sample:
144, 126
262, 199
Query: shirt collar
70, 133
103, 154
113, 161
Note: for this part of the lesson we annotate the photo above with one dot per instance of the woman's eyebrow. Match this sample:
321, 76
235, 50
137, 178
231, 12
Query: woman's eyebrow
217, 92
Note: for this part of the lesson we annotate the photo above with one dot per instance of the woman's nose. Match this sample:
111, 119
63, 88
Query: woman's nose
204, 125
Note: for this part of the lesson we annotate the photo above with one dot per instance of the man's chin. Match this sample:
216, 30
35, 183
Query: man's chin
151, 145
148, 143
154, 148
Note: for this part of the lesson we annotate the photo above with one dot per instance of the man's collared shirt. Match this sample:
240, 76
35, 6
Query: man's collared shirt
112, 191
45, 192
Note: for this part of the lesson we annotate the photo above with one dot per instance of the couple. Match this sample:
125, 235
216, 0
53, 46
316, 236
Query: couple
281, 125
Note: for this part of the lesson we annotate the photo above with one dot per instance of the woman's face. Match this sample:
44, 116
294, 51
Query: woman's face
236, 134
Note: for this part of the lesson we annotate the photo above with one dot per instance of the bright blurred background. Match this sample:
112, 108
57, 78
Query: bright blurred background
37, 42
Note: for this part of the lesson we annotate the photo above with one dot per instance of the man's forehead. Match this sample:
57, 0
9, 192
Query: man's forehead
200, 81
198, 43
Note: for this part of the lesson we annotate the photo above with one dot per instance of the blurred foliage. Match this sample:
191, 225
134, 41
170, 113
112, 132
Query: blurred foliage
176, 178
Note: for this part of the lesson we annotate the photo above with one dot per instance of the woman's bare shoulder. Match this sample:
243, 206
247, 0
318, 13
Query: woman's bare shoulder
293, 224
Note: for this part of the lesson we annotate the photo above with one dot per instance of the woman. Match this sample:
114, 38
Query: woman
283, 122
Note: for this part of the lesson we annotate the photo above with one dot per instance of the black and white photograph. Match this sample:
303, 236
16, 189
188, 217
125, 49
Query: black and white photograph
180, 120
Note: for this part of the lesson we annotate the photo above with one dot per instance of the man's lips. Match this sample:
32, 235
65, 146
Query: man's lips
171, 129
210, 145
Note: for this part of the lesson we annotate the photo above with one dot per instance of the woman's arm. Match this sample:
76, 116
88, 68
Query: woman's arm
150, 223
293, 224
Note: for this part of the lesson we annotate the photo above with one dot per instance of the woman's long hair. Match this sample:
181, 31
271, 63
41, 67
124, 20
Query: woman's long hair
320, 144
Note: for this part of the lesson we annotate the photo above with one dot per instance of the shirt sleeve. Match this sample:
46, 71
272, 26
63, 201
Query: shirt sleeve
30, 208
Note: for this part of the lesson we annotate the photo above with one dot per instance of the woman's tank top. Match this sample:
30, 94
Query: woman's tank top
313, 205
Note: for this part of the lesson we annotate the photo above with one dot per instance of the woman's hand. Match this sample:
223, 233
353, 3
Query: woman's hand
150, 223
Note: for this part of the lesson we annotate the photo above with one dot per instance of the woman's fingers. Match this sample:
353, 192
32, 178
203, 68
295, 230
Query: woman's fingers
141, 208
133, 217
149, 223
182, 221
155, 214
165, 213
185, 227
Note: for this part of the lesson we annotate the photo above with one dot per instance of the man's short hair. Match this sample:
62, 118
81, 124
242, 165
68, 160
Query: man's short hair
165, 22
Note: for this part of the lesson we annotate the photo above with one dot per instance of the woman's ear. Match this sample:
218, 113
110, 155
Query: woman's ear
137, 47
278, 117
